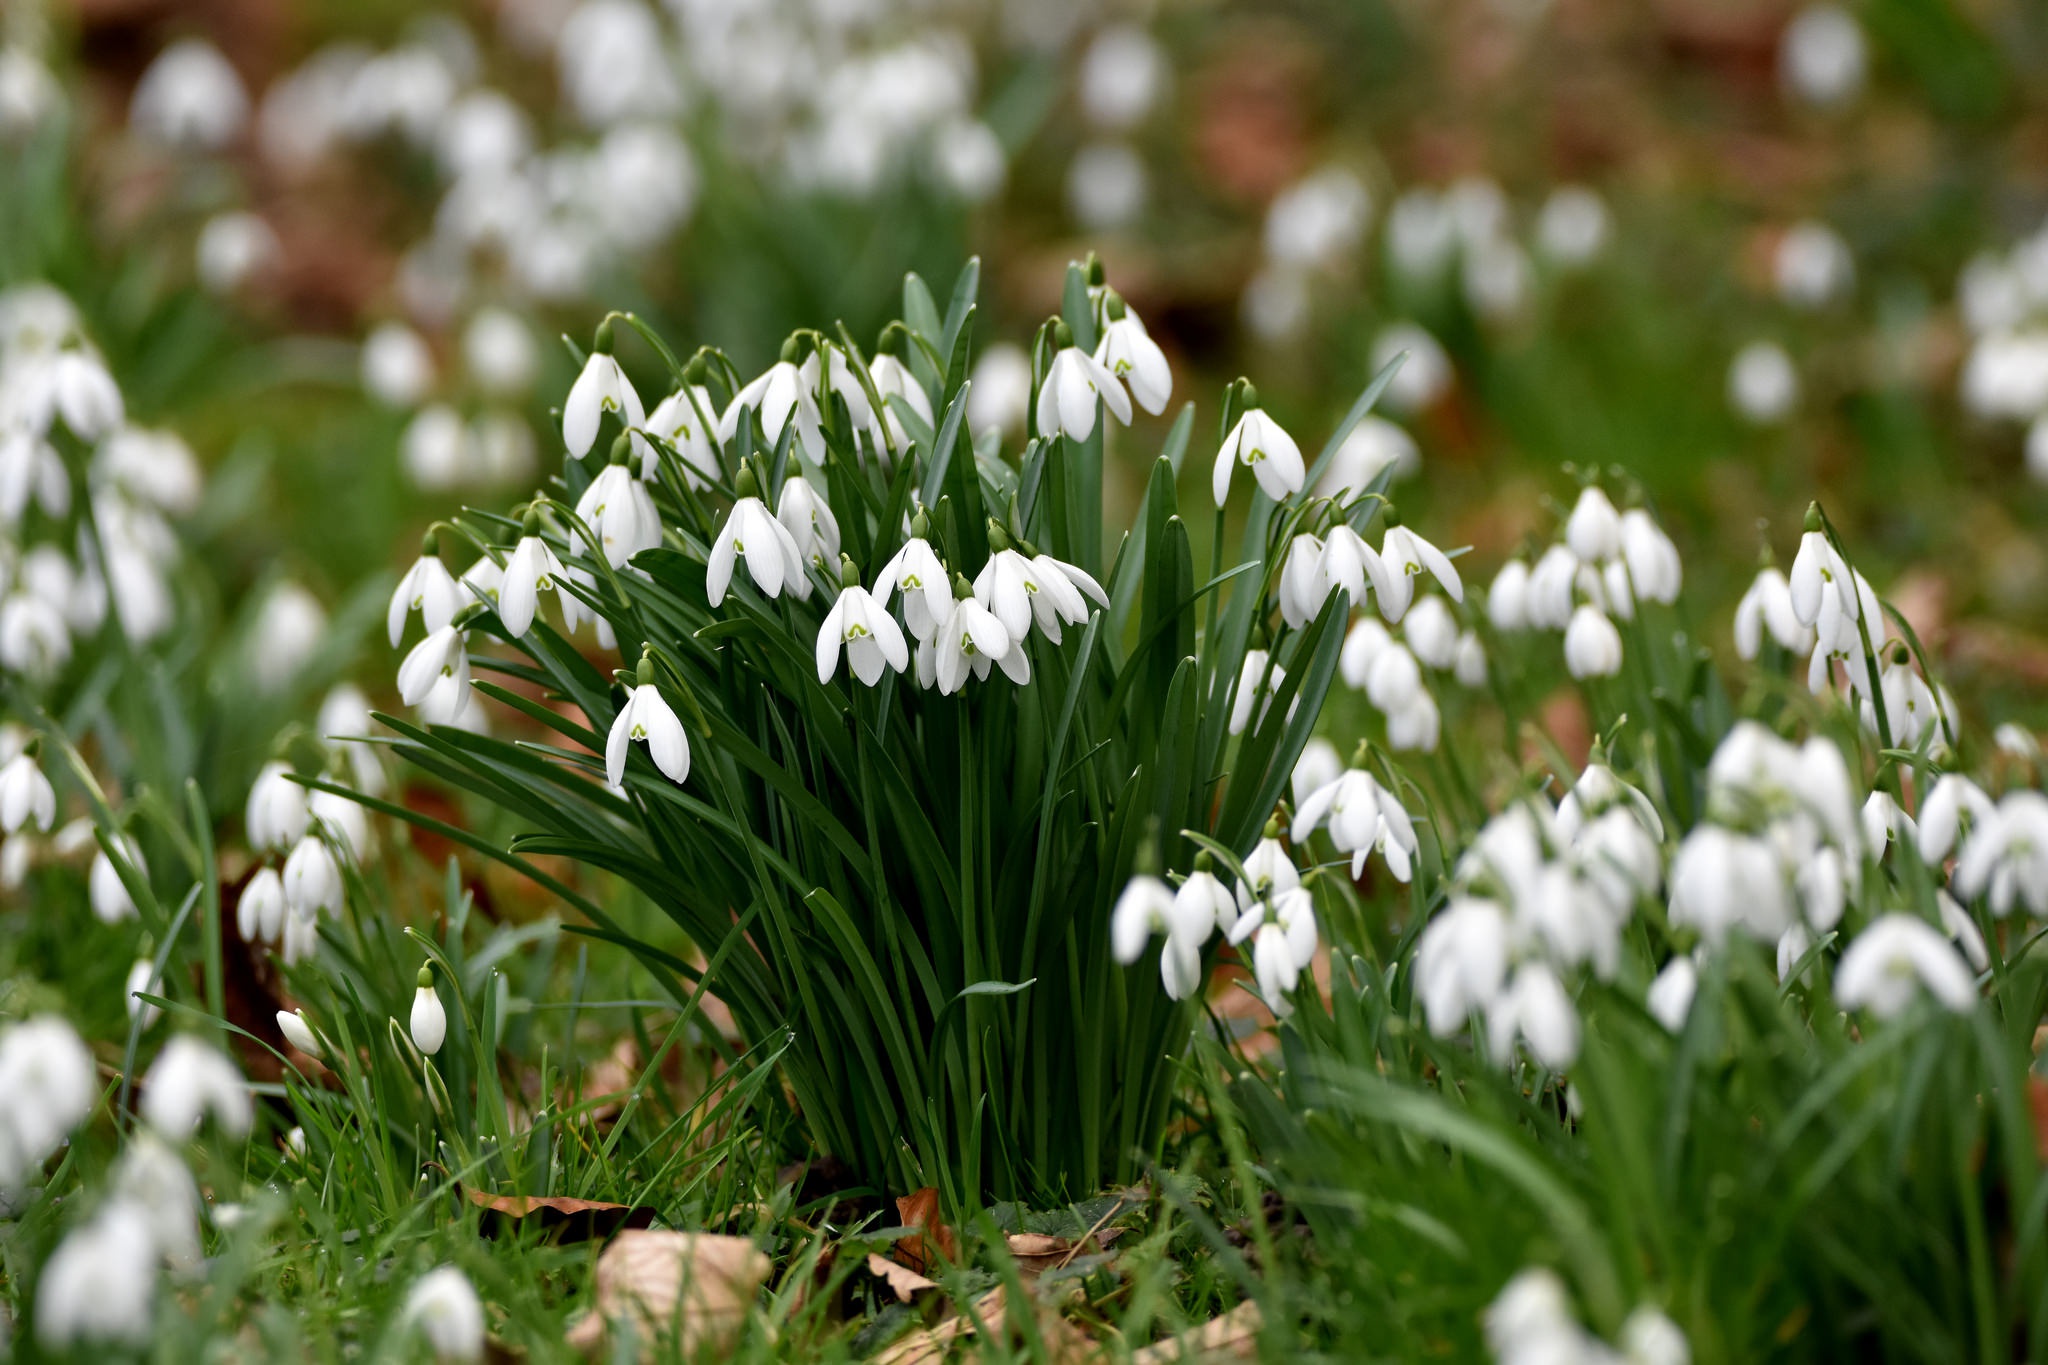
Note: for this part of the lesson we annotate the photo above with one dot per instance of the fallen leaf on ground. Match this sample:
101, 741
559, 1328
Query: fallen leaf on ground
694, 1286
566, 1220
923, 1249
1234, 1336
904, 1282
1038, 1252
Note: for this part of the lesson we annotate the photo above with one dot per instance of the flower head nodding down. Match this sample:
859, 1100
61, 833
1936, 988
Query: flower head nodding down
862, 628
647, 718
618, 510
530, 570
774, 560
1127, 352
1261, 445
429, 1022
427, 588
918, 573
971, 639
602, 387
1074, 382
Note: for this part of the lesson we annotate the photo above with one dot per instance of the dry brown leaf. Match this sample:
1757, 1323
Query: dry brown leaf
566, 1220
929, 1345
904, 1282
1038, 1252
1234, 1336
923, 1249
694, 1286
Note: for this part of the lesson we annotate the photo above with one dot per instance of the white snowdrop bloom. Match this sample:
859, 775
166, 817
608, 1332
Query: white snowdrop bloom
861, 628
1203, 902
1592, 646
190, 1081
969, 159
29, 94
1424, 377
429, 1022
1106, 186
312, 878
483, 132
1818, 570
397, 367
781, 396
1127, 352
26, 796
1394, 678
234, 248
1416, 726
34, 639
1065, 591
259, 913
681, 420
1277, 303
109, 895
1011, 586
1318, 222
808, 519
1349, 563
530, 570
342, 821
619, 511
894, 379
1670, 996
827, 374
1593, 531
1148, 906
276, 813
1763, 383
142, 979
1374, 447
85, 395
1406, 554
1362, 644
1896, 957
1767, 607
916, 572
1813, 267
436, 447
615, 63
292, 1024
1120, 77
1572, 227
1361, 815
2016, 741
1536, 1009
1954, 804
773, 558
1468, 660
31, 470
499, 352
1597, 790
1507, 600
1547, 597
1461, 963
1318, 766
1912, 711
99, 1286
427, 588
1496, 278
1073, 383
1883, 822
999, 393
1821, 58
2006, 856
1432, 632
434, 675
344, 716
1990, 294
1838, 638
971, 638
189, 97
300, 938
50, 1084
289, 628
648, 718
152, 467
152, 1177
1721, 880
1957, 924
444, 1309
1648, 1337
601, 388
1655, 572
1258, 679
1301, 589
2005, 375
1273, 965
1421, 235
1269, 871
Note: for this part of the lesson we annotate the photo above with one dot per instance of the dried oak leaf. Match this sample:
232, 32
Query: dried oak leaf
1038, 1252
565, 1220
1234, 1336
1065, 1344
696, 1287
923, 1249
905, 1283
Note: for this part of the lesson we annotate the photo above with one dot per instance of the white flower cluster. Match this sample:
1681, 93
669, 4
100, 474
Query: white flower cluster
1532, 1323
1122, 78
318, 834
1606, 563
48, 1084
2002, 297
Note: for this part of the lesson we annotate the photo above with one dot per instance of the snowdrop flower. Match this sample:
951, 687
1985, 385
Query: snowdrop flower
259, 912
1648, 1337
1301, 588
1362, 644
1507, 601
1763, 384
895, 379
808, 519
26, 796
602, 387
276, 813
341, 820
292, 1024
444, 1309
1816, 570
1394, 680
1883, 822
1432, 632
1269, 870
1406, 554
774, 560
1148, 906
1548, 598
1259, 444
861, 627
1592, 646
34, 639
1120, 77
1654, 571
1319, 765
1468, 661
1535, 1008
1957, 924
100, 1283
232, 249
345, 716
1821, 59
1887, 964
289, 627
1767, 607
1203, 902
1461, 963
1953, 800
1106, 186
1593, 531
1670, 996
1415, 726
1017, 589
1065, 590
1361, 815
2006, 856
530, 570
397, 368
1375, 446
1257, 680
108, 893
916, 572
436, 447
429, 1023
498, 350
189, 97
190, 1081
1317, 222
427, 588
972, 638
1813, 266
647, 717
300, 938
1127, 352
1000, 396
312, 879
28, 93
1073, 383
85, 395
781, 396
618, 509
434, 675
680, 419
50, 1084
1721, 880
1423, 378
1572, 226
